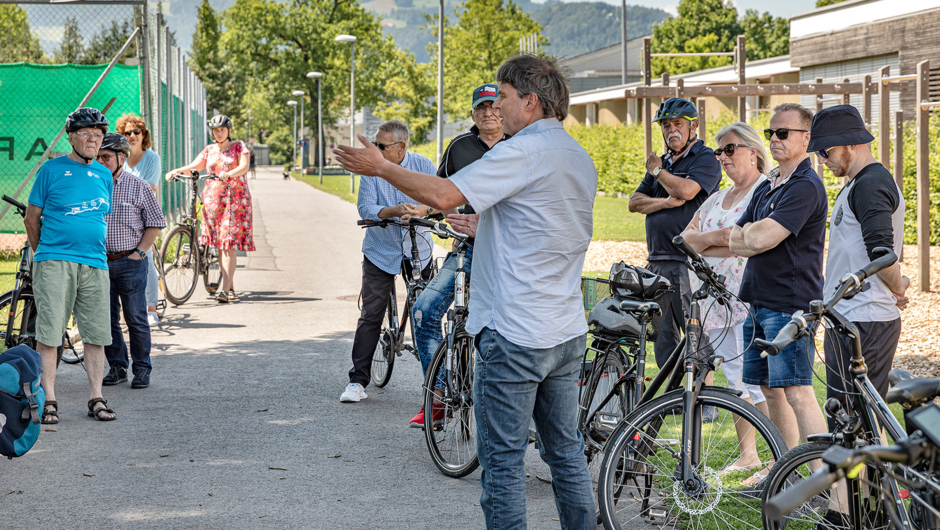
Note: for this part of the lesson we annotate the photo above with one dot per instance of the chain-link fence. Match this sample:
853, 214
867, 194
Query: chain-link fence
58, 56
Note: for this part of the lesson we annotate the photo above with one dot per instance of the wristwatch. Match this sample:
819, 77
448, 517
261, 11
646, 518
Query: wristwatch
430, 210
141, 252
656, 171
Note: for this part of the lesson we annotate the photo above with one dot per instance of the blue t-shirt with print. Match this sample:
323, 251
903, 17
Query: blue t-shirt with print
74, 199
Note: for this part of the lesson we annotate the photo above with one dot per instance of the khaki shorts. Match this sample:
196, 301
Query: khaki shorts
64, 288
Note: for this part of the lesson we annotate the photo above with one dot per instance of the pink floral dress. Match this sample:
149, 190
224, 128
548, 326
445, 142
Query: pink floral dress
713, 216
226, 212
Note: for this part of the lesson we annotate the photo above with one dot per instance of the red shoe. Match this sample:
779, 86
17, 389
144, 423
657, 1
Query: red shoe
418, 421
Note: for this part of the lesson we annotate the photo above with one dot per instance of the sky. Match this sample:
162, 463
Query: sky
776, 8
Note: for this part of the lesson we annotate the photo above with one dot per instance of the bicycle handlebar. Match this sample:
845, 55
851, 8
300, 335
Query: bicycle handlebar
702, 269
440, 229
194, 175
20, 207
787, 334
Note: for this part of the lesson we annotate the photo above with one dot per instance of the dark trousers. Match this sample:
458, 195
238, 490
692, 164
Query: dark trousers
377, 285
879, 343
669, 334
129, 291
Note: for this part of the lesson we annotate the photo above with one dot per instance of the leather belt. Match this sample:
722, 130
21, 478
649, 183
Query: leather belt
118, 255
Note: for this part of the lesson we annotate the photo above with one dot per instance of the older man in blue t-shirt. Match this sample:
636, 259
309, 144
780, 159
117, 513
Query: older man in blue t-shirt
72, 195
783, 232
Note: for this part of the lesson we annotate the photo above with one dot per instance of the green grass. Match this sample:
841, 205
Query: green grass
333, 184
8, 270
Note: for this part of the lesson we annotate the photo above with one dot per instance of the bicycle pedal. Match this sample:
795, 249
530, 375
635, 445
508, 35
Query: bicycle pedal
667, 442
657, 517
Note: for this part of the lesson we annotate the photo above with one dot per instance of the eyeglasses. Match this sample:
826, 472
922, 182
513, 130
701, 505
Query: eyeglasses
132, 131
383, 147
483, 107
728, 149
85, 135
825, 152
104, 157
781, 133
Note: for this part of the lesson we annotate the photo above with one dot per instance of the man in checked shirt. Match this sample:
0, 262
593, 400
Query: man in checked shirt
133, 225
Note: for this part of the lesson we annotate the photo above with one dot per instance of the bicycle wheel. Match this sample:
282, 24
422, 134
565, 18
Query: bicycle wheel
21, 322
180, 255
449, 424
640, 477
383, 360
161, 282
602, 421
211, 272
793, 467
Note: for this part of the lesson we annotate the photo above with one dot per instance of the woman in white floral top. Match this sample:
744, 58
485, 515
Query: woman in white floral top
742, 155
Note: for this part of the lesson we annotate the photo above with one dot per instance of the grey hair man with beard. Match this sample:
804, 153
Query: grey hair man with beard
671, 192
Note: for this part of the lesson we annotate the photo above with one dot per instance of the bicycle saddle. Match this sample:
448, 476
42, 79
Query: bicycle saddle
607, 317
633, 281
911, 391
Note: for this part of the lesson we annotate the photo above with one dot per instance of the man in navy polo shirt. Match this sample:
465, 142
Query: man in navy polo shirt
672, 190
782, 232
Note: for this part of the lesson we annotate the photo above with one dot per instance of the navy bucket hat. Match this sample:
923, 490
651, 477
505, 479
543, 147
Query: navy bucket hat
838, 125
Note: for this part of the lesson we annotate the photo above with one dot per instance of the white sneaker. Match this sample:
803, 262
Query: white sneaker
153, 319
353, 393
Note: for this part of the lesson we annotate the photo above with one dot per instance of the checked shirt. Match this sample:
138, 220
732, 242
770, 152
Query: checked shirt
134, 208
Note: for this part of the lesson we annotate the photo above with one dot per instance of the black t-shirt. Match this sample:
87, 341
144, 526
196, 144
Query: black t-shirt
463, 151
698, 164
789, 276
873, 199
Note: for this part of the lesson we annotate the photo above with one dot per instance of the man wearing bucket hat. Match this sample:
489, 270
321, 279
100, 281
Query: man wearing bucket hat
868, 213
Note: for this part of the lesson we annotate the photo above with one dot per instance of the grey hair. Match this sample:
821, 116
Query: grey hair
750, 138
539, 75
806, 115
397, 129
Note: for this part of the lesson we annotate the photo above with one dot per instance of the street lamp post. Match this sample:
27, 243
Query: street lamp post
352, 98
440, 83
293, 160
317, 76
300, 94
248, 126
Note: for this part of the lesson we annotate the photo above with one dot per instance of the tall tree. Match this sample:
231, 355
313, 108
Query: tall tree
409, 91
824, 3
18, 43
766, 36
72, 47
105, 44
486, 33
225, 86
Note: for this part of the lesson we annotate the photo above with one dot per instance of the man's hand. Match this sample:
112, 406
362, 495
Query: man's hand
672, 202
363, 161
902, 299
464, 223
653, 162
135, 256
406, 210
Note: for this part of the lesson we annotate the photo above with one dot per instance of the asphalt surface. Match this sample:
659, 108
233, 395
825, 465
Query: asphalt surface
242, 425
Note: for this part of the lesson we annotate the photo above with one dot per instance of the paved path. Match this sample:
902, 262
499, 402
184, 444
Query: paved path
242, 388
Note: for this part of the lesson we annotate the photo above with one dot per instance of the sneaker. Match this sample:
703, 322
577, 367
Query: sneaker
141, 378
353, 393
709, 414
232, 297
418, 421
115, 376
222, 297
153, 319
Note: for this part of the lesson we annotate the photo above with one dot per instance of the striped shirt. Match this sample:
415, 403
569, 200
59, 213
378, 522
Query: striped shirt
134, 209
387, 247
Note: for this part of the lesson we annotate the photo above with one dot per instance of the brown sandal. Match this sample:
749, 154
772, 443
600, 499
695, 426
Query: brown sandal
50, 417
96, 413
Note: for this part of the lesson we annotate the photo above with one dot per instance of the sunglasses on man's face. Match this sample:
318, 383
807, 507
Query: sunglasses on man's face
383, 147
728, 149
104, 158
782, 133
132, 131
825, 152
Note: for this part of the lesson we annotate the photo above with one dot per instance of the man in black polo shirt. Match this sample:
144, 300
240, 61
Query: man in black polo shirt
432, 303
672, 190
782, 232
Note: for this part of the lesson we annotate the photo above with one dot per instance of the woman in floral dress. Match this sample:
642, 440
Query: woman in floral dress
226, 212
742, 155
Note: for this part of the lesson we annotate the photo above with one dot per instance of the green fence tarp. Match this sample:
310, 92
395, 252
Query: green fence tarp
34, 102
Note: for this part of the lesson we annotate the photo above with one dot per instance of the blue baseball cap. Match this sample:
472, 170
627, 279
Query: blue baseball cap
484, 93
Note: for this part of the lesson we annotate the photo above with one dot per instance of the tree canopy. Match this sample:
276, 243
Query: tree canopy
19, 43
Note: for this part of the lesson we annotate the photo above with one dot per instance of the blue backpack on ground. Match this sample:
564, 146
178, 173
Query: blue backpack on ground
22, 399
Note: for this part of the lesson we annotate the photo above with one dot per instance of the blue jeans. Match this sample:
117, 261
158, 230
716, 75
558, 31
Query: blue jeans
152, 279
512, 385
431, 306
791, 367
128, 286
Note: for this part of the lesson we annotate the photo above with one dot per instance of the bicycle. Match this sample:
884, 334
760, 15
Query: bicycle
916, 464
862, 424
161, 282
184, 259
665, 457
392, 335
449, 425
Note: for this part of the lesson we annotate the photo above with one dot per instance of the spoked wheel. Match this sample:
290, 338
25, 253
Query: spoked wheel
161, 282
211, 271
21, 323
180, 255
640, 479
604, 421
449, 424
795, 466
383, 360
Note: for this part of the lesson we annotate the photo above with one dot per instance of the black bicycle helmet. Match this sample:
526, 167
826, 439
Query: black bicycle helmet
220, 121
86, 117
116, 142
676, 108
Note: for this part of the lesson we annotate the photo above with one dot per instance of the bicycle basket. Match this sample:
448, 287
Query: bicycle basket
593, 290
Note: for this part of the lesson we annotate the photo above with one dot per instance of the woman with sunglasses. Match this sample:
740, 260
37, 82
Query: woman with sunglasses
744, 159
143, 162
226, 212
